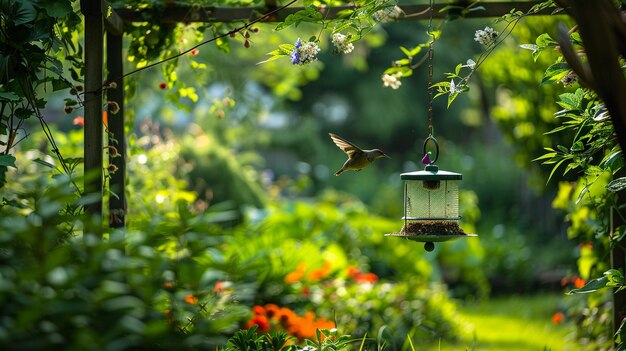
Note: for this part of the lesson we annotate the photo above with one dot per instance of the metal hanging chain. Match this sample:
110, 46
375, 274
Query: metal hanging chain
431, 43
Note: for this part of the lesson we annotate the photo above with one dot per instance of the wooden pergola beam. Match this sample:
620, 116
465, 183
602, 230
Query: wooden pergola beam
189, 14
112, 21
94, 51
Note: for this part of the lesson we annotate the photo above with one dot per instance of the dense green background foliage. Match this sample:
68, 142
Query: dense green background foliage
231, 193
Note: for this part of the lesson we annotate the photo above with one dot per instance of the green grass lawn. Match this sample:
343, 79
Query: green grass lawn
514, 323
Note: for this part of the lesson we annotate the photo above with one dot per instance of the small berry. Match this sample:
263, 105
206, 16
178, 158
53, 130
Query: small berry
112, 85
112, 168
232, 34
68, 109
246, 35
255, 30
246, 44
194, 52
113, 107
112, 151
74, 91
163, 85
79, 87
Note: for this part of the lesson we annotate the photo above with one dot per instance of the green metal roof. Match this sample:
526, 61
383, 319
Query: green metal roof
431, 173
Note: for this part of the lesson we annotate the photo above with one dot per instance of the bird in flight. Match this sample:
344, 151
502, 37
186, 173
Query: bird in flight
357, 158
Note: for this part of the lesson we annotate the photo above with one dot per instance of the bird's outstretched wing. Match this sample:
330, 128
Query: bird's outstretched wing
344, 145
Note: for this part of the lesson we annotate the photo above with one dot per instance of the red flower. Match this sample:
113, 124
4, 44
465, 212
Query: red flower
261, 321
194, 52
258, 310
558, 318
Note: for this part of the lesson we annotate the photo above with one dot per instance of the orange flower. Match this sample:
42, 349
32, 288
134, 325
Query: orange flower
558, 318
366, 278
578, 282
262, 322
190, 299
294, 277
168, 285
352, 271
286, 316
271, 310
222, 287
320, 273
80, 120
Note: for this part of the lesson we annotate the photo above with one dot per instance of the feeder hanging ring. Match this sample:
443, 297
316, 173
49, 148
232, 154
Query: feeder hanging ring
432, 139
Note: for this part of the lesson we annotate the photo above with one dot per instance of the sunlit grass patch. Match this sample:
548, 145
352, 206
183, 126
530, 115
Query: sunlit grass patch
513, 323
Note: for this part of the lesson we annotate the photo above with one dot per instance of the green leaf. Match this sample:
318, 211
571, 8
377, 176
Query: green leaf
44, 163
7, 161
451, 98
555, 73
571, 101
24, 13
544, 40
416, 50
617, 185
56, 8
562, 148
406, 51
554, 169
404, 71
545, 156
9, 95
591, 286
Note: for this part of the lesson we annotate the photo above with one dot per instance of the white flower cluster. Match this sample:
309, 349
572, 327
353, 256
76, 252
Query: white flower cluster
388, 14
342, 43
308, 52
392, 80
570, 79
304, 53
486, 37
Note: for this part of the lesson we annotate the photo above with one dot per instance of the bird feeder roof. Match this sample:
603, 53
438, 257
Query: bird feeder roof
431, 175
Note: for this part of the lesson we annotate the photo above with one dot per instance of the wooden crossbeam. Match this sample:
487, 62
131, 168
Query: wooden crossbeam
188, 14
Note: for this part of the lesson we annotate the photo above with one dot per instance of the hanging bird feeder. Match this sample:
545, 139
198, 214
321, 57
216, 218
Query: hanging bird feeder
431, 203
431, 196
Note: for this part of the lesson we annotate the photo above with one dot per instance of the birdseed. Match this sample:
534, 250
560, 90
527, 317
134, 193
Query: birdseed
432, 228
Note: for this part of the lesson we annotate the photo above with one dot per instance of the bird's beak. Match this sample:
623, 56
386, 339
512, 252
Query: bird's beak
385, 155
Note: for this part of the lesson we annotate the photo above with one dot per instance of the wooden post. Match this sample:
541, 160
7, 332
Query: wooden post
117, 137
94, 40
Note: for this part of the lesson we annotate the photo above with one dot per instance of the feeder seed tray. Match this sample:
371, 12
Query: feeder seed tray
429, 232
